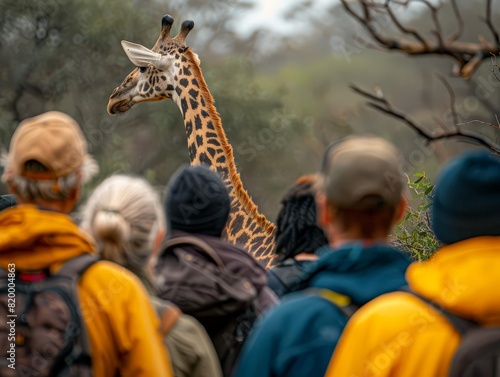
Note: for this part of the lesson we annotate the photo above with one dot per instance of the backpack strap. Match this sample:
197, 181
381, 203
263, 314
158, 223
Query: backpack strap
199, 243
460, 324
74, 267
77, 266
340, 301
169, 314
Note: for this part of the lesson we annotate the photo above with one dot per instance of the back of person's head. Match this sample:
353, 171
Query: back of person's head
362, 185
124, 215
48, 159
466, 201
296, 228
197, 201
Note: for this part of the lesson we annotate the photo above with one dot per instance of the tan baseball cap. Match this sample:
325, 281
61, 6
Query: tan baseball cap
54, 139
362, 172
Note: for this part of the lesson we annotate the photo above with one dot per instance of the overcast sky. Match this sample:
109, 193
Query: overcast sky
269, 14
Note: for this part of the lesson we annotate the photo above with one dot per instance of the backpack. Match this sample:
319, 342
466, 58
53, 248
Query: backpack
201, 286
340, 301
168, 315
42, 332
479, 351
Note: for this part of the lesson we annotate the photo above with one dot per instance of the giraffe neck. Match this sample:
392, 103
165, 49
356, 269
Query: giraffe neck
208, 144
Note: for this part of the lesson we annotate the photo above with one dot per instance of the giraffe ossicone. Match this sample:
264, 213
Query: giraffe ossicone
171, 70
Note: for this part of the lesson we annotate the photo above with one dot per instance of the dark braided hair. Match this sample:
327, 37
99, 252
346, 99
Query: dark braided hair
296, 228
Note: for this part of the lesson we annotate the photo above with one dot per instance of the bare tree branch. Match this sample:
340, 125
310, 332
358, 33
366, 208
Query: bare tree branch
489, 23
460, 29
468, 55
401, 27
495, 126
381, 103
451, 92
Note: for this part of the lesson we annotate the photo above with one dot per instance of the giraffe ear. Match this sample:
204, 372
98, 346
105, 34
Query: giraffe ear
141, 56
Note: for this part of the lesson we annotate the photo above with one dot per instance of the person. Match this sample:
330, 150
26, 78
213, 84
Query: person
400, 334
297, 237
7, 201
359, 198
46, 167
218, 283
124, 216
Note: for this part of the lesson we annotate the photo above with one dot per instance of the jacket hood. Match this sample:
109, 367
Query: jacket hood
37, 239
463, 278
362, 273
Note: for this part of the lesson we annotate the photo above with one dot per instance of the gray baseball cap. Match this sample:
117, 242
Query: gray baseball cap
362, 172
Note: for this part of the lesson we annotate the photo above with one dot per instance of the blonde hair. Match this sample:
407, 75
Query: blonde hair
124, 215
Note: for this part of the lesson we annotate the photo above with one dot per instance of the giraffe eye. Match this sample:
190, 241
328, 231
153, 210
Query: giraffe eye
142, 69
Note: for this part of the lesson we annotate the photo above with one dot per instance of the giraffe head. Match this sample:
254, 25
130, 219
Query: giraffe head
157, 71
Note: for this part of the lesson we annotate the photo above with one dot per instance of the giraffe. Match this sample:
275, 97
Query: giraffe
171, 70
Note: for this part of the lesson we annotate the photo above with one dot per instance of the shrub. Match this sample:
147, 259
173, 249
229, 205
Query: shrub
413, 234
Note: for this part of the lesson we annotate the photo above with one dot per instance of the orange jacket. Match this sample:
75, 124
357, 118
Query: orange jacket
120, 320
399, 335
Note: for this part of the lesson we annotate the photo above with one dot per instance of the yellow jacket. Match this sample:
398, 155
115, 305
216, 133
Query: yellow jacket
399, 335
120, 320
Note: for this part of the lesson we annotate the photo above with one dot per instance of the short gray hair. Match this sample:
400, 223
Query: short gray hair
30, 190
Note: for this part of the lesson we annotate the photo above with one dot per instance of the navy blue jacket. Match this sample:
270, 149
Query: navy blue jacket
297, 338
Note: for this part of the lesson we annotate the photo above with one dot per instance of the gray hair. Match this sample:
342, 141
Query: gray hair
124, 215
30, 190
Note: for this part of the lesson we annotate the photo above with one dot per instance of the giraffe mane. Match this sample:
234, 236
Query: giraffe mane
234, 176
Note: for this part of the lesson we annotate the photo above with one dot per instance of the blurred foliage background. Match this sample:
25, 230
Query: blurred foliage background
282, 95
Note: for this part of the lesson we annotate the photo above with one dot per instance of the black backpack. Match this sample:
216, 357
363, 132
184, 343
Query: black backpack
42, 332
478, 354
201, 286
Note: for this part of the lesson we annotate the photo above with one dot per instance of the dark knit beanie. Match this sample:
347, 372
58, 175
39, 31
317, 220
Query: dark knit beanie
197, 201
467, 198
7, 201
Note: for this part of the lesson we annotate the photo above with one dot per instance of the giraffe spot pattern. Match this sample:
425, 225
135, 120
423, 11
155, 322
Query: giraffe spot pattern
213, 142
178, 90
184, 82
225, 173
211, 134
204, 114
197, 122
210, 125
221, 159
243, 239
193, 93
186, 71
195, 83
199, 140
211, 151
189, 128
163, 77
183, 59
192, 151
157, 88
194, 104
204, 158
237, 222
184, 106
145, 87
170, 87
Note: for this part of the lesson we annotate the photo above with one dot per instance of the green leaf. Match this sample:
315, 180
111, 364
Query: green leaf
419, 180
